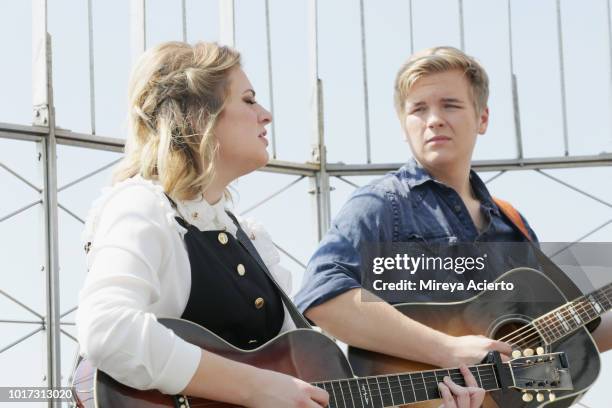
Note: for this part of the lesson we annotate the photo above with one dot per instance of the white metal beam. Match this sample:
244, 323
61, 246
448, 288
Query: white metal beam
44, 115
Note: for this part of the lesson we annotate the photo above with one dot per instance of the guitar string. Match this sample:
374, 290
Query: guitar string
556, 325
583, 302
550, 331
354, 389
580, 306
525, 329
353, 386
429, 384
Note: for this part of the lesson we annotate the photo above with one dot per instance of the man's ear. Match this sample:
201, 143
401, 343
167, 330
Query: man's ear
483, 121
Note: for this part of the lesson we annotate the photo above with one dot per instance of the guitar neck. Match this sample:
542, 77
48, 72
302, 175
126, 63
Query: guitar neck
573, 315
399, 389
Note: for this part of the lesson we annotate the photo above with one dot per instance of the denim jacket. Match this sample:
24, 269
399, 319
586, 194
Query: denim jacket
403, 206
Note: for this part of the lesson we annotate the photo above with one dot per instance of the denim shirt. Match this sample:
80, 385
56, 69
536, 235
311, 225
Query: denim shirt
403, 206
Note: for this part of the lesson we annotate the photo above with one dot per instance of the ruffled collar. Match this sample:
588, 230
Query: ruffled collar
205, 216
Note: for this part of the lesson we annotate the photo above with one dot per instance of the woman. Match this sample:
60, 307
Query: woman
161, 243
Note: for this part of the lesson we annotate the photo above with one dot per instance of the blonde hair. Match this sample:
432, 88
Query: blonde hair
437, 60
176, 93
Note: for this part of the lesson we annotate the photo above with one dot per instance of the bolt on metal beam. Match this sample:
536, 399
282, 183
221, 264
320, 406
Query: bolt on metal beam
320, 181
42, 97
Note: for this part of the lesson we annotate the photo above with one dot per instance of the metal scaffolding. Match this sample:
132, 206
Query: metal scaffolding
47, 136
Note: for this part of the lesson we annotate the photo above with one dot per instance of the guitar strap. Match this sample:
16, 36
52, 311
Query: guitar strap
513, 215
299, 320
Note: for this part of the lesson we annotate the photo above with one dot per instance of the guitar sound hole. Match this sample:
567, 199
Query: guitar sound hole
519, 334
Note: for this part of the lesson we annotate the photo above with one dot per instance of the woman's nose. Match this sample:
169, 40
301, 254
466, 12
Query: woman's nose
265, 116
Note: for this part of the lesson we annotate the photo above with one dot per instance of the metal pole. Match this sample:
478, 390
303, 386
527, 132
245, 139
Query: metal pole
461, 28
562, 78
227, 26
92, 89
364, 73
609, 19
184, 19
138, 28
44, 115
515, 101
319, 183
411, 26
270, 77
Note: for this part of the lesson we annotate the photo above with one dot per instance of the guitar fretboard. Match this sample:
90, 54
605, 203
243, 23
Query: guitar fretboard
391, 390
565, 319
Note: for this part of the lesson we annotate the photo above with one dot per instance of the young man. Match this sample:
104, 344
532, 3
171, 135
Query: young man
441, 99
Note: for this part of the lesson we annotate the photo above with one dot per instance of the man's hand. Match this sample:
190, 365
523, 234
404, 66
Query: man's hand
471, 350
455, 396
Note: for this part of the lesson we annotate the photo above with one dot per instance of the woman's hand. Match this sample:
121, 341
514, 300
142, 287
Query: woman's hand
455, 396
272, 389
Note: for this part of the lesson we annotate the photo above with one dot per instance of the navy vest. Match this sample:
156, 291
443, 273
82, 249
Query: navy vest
230, 293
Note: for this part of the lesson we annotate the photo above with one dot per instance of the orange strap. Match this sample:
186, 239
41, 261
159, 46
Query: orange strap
514, 216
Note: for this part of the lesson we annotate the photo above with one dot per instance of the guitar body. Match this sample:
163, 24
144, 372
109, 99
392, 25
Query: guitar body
495, 314
305, 354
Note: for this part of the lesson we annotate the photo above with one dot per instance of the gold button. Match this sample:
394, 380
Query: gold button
195, 215
259, 302
252, 236
222, 237
241, 269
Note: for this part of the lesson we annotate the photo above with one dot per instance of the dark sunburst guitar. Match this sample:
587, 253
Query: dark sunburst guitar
315, 358
547, 323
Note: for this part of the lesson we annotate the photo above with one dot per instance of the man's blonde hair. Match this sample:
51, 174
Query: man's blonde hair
176, 94
437, 60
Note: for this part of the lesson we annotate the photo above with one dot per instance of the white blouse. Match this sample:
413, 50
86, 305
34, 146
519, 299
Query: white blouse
139, 270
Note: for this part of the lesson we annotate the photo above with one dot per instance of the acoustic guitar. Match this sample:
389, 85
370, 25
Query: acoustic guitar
315, 358
547, 322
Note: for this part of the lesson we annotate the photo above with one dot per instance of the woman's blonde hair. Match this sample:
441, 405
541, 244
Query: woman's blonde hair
441, 59
176, 93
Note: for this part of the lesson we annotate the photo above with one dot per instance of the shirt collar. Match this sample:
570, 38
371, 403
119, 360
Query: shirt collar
482, 193
414, 174
205, 216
